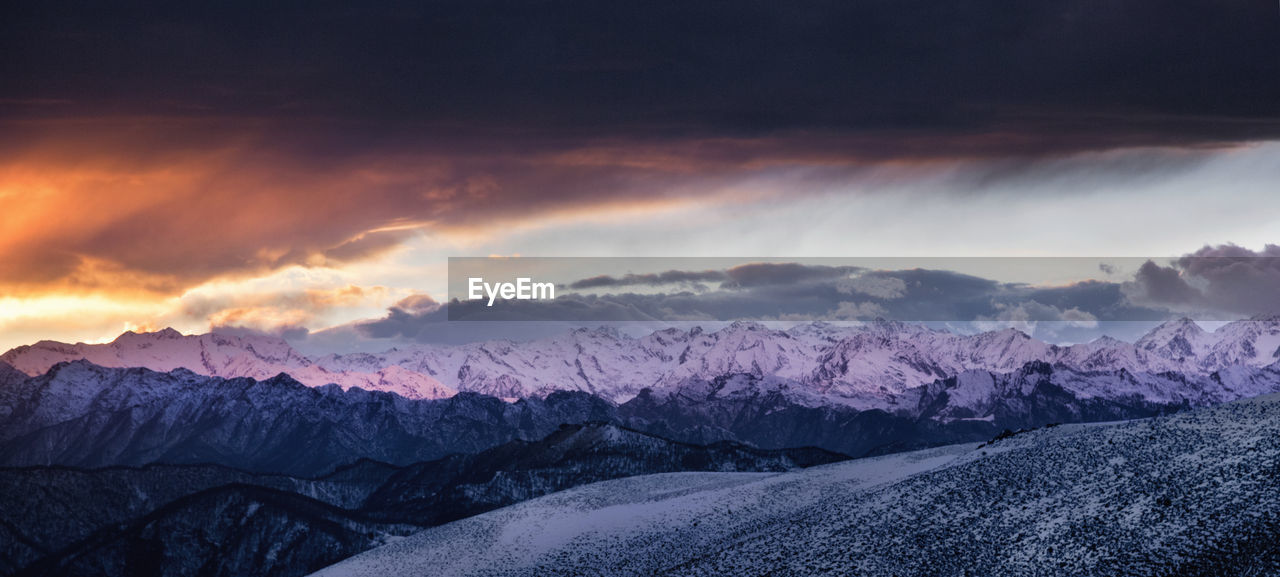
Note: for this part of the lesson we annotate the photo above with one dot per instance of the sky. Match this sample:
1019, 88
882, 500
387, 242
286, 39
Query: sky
304, 169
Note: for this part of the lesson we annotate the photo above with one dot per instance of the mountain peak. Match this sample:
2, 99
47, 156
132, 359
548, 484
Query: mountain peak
9, 374
1107, 341
1180, 326
1176, 339
1017, 333
600, 331
746, 326
167, 333
886, 325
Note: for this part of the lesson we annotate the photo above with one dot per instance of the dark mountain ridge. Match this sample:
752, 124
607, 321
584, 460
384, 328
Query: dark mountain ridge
79, 414
138, 520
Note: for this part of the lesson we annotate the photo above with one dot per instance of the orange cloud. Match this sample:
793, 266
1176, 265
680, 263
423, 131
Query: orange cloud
123, 212
350, 295
156, 206
418, 303
161, 206
275, 311
264, 319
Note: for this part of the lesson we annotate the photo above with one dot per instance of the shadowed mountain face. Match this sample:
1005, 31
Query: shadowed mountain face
231, 530
971, 406
47, 509
202, 519
9, 375
83, 415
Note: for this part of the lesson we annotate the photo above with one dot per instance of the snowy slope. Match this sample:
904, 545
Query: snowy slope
1194, 493
610, 514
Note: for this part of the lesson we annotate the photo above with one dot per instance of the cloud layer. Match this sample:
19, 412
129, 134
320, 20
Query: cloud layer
1107, 72
1236, 283
147, 153
1224, 278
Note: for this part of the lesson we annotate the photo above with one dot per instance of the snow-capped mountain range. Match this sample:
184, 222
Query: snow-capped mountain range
861, 366
221, 355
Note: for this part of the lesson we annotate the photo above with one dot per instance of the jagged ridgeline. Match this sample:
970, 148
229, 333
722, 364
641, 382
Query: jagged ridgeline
858, 390
79, 414
864, 367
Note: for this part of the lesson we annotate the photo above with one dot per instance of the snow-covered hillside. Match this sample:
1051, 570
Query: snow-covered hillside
1191, 494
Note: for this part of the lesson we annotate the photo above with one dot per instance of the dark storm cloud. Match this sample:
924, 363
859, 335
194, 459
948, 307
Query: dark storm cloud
767, 273
307, 132
1104, 300
741, 276
1215, 283
1225, 278
792, 291
427, 326
669, 277
432, 324
1028, 76
400, 322
1238, 279
1163, 285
